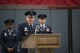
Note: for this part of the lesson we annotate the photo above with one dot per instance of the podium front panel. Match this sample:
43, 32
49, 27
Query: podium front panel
48, 41
42, 41
29, 42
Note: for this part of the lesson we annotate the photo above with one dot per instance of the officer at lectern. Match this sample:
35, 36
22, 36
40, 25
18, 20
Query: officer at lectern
42, 28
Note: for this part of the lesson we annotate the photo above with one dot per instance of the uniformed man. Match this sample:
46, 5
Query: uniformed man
42, 28
9, 38
27, 27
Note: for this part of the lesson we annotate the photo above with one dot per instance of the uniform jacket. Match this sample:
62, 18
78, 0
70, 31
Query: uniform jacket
45, 30
9, 39
24, 30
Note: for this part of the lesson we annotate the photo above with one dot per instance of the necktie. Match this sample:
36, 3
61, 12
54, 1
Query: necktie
42, 27
31, 26
31, 29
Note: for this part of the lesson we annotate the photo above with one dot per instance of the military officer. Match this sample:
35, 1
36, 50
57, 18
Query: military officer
9, 38
26, 28
42, 28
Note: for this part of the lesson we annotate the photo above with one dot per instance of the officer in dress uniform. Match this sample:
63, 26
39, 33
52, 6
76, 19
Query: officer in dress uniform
27, 27
42, 28
9, 38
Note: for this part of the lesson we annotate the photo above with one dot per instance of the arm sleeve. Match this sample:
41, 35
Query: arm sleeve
2, 40
17, 41
20, 32
51, 31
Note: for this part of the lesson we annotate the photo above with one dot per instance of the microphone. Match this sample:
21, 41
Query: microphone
36, 29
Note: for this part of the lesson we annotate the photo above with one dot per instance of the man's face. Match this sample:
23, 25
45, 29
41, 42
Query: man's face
42, 21
9, 26
30, 20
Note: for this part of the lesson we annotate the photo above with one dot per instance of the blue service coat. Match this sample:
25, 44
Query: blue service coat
24, 30
9, 39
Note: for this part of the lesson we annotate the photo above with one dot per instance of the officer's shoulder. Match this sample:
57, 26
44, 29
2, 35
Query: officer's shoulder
22, 24
14, 30
4, 31
48, 26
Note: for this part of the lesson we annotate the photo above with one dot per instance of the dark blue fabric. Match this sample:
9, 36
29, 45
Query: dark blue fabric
46, 30
24, 30
8, 41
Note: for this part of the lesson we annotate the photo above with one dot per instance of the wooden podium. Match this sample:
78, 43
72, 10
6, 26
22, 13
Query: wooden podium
43, 43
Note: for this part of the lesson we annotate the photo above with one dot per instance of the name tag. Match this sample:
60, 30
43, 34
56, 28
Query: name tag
14, 34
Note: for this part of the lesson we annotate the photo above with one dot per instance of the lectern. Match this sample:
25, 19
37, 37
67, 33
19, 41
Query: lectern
43, 43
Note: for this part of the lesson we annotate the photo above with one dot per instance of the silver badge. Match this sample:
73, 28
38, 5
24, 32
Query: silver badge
48, 29
9, 33
25, 29
5, 34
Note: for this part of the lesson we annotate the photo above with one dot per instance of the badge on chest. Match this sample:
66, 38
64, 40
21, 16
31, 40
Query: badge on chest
47, 29
5, 34
25, 29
